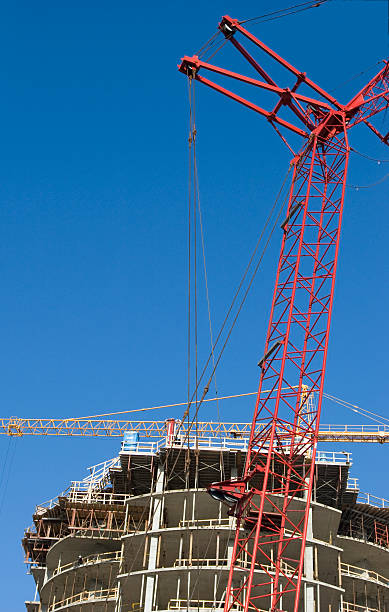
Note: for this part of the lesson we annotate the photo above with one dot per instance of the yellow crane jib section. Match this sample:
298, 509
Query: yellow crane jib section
14, 426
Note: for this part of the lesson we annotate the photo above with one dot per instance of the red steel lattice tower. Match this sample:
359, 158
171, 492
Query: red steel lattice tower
272, 499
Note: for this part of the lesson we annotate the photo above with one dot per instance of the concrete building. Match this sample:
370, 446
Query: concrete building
141, 533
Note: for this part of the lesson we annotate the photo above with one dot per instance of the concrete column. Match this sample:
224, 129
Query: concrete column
309, 600
180, 547
153, 549
155, 592
193, 516
184, 508
231, 540
188, 592
118, 604
318, 598
142, 590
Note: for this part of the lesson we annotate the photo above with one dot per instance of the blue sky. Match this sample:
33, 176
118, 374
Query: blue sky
93, 227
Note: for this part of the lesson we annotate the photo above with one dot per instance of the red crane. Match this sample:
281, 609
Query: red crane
272, 499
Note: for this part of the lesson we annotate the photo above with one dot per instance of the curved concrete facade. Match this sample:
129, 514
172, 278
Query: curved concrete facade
151, 538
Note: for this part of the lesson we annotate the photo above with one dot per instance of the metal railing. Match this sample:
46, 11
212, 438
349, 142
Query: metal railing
199, 604
212, 442
101, 594
268, 569
339, 458
142, 447
202, 562
350, 607
98, 497
50, 503
204, 523
359, 572
98, 477
95, 481
89, 560
260, 567
352, 484
216, 442
372, 500
354, 428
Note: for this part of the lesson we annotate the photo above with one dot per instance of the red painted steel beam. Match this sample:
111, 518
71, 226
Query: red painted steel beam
251, 106
269, 80
235, 26
272, 501
286, 93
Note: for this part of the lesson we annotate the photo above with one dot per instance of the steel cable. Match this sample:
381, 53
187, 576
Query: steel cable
196, 181
357, 409
357, 187
379, 161
304, 6
232, 324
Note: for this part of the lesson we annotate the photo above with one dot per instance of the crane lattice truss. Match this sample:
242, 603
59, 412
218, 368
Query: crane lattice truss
283, 432
206, 431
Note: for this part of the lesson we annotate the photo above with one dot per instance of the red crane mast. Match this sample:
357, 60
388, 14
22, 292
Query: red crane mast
272, 499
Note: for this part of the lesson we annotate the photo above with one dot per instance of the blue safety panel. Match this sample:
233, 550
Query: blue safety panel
130, 441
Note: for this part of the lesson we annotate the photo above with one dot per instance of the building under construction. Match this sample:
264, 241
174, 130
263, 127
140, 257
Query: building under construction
257, 523
141, 532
